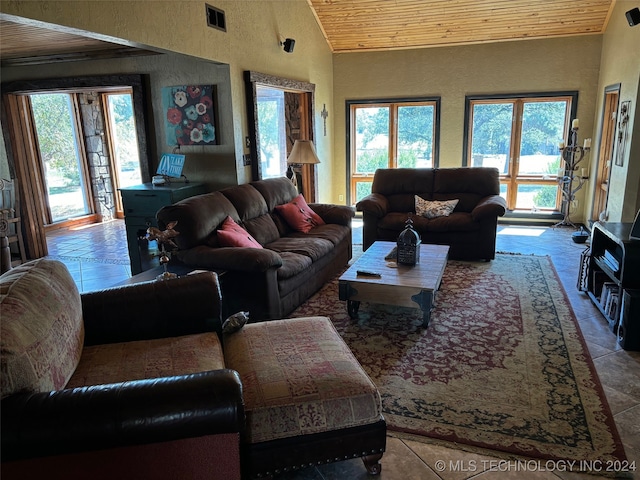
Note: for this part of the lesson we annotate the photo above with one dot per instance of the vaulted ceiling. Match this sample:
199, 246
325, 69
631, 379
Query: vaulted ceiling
368, 25
358, 25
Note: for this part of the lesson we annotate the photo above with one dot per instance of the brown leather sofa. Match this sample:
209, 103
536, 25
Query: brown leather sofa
470, 230
269, 282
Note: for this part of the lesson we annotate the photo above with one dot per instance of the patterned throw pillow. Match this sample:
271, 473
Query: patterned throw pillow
41, 332
434, 209
299, 215
230, 234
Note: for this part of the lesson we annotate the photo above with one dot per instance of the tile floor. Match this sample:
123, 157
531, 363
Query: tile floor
97, 257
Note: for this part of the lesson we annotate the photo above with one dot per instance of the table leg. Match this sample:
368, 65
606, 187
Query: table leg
425, 299
352, 307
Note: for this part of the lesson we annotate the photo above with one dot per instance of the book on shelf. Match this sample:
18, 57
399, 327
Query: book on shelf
611, 261
605, 296
610, 301
614, 306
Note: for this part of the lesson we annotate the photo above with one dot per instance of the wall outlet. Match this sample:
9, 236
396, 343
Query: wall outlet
341, 198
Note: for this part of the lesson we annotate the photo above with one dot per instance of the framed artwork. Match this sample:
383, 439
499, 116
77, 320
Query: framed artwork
190, 115
623, 125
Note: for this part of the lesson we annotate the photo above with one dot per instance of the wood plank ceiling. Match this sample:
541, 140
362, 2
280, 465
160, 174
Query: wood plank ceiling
356, 26
370, 25
28, 44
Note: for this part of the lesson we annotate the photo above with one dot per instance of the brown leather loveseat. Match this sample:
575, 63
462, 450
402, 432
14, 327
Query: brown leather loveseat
287, 267
469, 230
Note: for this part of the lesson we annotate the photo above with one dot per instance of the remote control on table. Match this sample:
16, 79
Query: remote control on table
365, 273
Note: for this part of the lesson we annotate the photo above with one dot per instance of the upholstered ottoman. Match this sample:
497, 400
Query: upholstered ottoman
307, 399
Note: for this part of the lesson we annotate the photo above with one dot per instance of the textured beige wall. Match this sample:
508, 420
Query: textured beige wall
251, 42
214, 165
620, 64
453, 72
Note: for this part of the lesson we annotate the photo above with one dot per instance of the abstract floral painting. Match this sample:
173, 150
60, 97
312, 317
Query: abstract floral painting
189, 115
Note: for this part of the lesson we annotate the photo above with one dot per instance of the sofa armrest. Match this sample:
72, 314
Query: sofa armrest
230, 258
121, 414
375, 204
337, 214
142, 311
492, 206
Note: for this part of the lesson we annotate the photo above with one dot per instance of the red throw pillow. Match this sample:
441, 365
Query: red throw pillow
299, 215
230, 234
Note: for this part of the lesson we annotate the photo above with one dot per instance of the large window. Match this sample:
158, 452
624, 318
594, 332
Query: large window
519, 135
385, 134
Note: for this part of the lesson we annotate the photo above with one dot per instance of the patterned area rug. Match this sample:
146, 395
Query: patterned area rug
501, 366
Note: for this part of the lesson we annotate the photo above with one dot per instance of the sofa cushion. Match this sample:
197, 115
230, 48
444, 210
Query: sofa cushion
312, 247
468, 184
276, 191
299, 378
482, 181
197, 218
163, 357
393, 181
434, 209
292, 264
330, 231
230, 234
299, 215
248, 201
456, 222
41, 333
262, 228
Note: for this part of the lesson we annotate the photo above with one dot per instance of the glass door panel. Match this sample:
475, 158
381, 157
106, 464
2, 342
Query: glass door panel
124, 144
415, 136
372, 139
542, 130
67, 195
536, 197
362, 190
272, 134
491, 139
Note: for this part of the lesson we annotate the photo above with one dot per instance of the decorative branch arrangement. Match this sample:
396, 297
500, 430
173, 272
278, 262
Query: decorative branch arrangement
164, 238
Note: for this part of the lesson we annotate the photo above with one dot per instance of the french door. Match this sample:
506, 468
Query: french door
605, 154
66, 180
123, 146
520, 136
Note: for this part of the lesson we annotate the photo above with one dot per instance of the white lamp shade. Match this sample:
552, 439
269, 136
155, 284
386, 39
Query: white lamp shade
303, 151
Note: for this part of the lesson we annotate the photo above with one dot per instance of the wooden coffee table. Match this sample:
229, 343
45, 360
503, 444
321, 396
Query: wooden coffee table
401, 285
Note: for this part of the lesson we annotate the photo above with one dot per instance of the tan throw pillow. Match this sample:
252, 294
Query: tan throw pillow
436, 208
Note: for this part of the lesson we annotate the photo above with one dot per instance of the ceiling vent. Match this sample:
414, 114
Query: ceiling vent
216, 18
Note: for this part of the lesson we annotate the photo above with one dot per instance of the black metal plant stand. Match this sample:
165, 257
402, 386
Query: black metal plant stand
572, 154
